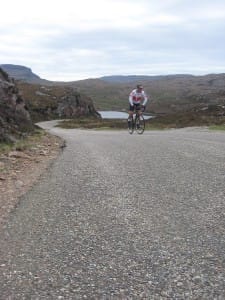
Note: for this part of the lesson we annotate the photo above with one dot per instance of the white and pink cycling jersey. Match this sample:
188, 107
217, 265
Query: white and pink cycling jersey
136, 97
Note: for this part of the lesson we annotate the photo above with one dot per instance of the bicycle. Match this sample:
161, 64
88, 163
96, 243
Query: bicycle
136, 123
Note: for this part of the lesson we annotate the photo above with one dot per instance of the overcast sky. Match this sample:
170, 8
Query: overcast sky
79, 39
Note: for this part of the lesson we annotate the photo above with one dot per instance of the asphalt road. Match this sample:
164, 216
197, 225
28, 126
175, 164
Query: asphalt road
121, 216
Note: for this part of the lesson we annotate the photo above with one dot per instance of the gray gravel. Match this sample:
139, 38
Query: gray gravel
121, 216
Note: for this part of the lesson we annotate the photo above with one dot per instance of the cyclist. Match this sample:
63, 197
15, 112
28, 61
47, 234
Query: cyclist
138, 100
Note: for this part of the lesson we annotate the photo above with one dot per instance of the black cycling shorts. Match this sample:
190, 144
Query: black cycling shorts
135, 107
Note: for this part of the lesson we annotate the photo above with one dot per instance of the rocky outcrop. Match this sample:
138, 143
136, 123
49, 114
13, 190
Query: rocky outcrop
14, 116
55, 102
73, 104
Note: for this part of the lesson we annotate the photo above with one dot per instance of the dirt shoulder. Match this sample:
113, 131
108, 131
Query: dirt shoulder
19, 170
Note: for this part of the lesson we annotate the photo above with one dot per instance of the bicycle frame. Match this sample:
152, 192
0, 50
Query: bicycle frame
136, 123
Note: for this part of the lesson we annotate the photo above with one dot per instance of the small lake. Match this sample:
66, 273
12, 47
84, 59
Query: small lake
117, 115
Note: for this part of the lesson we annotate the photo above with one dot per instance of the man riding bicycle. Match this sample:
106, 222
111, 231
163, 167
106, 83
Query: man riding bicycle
135, 99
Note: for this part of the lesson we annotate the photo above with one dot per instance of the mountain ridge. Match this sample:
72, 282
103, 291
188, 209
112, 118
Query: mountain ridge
23, 73
168, 93
20, 72
135, 78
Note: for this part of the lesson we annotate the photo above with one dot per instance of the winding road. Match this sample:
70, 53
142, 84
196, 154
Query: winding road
121, 216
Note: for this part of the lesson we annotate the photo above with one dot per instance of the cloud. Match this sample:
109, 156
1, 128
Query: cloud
69, 40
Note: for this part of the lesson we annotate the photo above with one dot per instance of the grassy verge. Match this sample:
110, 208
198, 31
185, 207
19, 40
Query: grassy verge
109, 124
23, 144
176, 120
93, 123
188, 119
217, 127
159, 123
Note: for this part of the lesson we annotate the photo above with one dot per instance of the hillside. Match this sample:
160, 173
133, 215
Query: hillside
137, 78
168, 94
22, 103
54, 102
22, 73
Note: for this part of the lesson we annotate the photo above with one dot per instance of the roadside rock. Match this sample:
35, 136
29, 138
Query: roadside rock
14, 116
18, 154
73, 104
55, 102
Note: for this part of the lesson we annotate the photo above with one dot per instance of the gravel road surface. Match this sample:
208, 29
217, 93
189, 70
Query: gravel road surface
121, 216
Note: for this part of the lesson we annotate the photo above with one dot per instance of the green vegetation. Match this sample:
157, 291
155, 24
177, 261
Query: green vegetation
176, 120
168, 95
93, 123
188, 119
5, 147
26, 143
217, 127
174, 99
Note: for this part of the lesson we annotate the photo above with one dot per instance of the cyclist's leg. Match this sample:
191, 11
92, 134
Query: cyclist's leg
131, 112
138, 113
130, 120
140, 124
138, 109
130, 117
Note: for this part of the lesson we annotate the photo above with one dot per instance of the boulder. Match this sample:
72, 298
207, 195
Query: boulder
14, 116
73, 105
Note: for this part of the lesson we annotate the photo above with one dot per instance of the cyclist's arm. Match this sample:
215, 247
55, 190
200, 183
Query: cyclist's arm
131, 99
145, 99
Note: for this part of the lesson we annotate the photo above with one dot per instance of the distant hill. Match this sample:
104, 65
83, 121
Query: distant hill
140, 78
168, 93
22, 73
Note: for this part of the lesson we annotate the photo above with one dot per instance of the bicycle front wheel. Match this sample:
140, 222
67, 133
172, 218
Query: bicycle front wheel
130, 125
140, 124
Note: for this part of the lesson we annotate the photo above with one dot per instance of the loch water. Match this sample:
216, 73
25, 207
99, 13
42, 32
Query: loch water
117, 115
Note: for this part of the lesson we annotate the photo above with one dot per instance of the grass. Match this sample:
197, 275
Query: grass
5, 148
176, 120
217, 127
187, 119
23, 144
93, 123
108, 124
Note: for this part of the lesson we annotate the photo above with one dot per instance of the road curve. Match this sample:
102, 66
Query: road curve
121, 216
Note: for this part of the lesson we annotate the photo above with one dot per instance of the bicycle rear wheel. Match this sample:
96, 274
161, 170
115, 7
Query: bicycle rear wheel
130, 125
140, 124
